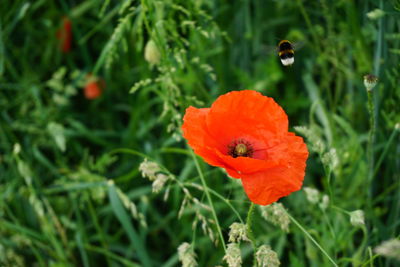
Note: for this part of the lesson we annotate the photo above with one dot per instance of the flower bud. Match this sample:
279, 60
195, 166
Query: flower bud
93, 87
152, 53
17, 149
370, 81
357, 218
64, 35
324, 203
312, 195
92, 90
376, 14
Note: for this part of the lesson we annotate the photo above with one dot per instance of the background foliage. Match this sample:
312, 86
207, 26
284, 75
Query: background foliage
71, 193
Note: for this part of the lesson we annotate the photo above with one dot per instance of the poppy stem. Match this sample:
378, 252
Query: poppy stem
250, 235
203, 181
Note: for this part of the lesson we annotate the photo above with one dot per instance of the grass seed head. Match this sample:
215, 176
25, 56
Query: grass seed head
149, 169
233, 257
238, 231
186, 255
277, 215
159, 182
389, 248
266, 257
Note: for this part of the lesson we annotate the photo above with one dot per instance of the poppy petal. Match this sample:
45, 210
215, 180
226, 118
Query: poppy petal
266, 187
195, 132
246, 165
92, 90
244, 114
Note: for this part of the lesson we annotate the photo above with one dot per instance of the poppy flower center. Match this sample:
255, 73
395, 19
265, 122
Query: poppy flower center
240, 148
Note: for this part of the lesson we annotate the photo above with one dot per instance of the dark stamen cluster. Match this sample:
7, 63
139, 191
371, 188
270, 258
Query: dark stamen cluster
240, 148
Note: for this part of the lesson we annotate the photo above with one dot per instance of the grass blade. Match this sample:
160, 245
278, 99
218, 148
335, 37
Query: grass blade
125, 220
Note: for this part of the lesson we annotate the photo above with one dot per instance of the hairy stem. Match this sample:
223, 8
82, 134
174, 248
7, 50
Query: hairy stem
371, 137
250, 234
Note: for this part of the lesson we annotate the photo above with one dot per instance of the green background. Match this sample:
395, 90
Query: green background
57, 204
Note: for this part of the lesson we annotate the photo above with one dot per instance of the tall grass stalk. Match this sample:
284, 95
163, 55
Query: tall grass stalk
210, 202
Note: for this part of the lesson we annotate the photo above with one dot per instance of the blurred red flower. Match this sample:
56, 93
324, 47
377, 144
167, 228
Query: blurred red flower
246, 133
94, 87
64, 35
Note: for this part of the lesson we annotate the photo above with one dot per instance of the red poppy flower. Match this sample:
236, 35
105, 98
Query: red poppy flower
93, 87
64, 34
246, 133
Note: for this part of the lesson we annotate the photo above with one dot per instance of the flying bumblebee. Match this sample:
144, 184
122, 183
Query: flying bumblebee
286, 52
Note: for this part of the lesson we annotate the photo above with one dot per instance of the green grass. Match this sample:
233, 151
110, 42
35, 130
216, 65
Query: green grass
71, 193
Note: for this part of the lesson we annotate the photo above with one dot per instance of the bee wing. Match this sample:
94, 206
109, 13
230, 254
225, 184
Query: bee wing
268, 49
298, 45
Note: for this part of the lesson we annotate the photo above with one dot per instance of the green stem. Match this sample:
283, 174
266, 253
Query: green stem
371, 137
103, 240
217, 195
309, 25
370, 257
372, 125
312, 239
250, 234
203, 181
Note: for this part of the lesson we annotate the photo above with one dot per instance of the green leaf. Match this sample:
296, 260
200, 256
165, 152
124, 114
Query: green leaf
126, 222
57, 132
